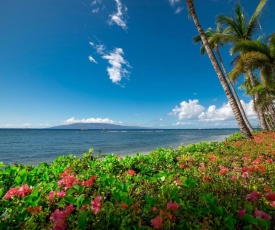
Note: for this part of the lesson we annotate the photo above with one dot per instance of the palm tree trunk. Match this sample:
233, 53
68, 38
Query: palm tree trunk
260, 112
234, 91
243, 128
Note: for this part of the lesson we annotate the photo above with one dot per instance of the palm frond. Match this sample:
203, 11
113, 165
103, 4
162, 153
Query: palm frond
253, 24
245, 46
272, 45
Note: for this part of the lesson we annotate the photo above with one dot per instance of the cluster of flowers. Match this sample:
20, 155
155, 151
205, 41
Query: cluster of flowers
59, 217
158, 221
22, 191
69, 179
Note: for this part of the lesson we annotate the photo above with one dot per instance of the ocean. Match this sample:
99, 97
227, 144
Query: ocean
32, 146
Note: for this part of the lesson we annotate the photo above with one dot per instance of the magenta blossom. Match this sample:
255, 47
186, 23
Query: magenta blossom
242, 212
96, 204
261, 214
173, 206
254, 196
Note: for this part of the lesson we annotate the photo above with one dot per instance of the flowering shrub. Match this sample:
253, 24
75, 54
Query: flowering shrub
226, 185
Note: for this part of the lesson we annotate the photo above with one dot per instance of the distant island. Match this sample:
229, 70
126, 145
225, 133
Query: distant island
85, 126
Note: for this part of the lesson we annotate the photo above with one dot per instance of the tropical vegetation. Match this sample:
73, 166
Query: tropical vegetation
254, 59
217, 185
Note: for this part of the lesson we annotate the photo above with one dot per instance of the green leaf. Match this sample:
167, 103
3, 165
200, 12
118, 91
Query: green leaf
18, 179
69, 199
219, 210
79, 200
2, 164
82, 221
250, 219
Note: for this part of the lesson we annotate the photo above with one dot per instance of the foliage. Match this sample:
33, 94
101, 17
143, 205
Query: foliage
226, 185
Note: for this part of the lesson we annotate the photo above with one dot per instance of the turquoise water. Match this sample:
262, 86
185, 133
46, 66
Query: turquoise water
32, 146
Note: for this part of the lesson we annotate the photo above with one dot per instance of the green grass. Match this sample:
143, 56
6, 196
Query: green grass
225, 185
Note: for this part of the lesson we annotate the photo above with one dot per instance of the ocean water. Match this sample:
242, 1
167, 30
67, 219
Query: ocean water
32, 146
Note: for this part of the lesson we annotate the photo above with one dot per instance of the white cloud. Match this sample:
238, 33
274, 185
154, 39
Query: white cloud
117, 17
178, 10
95, 11
92, 59
173, 2
188, 110
89, 120
192, 113
117, 71
225, 112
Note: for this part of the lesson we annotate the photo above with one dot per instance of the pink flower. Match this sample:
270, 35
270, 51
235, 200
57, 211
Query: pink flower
242, 212
59, 217
245, 175
23, 191
131, 172
173, 206
68, 181
254, 196
11, 193
261, 214
234, 177
54, 194
96, 204
157, 222
178, 182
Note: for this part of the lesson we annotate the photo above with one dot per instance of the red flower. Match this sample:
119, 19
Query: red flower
224, 171
206, 178
34, 210
123, 205
89, 182
270, 196
157, 222
131, 172
96, 204
254, 196
172, 206
267, 189
182, 166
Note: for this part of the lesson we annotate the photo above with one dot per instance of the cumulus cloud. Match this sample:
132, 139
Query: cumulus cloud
89, 120
117, 71
225, 112
118, 17
188, 110
192, 110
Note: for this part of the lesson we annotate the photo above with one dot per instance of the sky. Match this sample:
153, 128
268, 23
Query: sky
114, 61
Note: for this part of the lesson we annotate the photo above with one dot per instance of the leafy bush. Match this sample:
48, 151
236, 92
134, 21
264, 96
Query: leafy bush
227, 185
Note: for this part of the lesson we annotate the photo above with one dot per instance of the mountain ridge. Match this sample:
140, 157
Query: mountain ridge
95, 126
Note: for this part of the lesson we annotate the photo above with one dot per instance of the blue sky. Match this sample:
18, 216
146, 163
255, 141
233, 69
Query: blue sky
118, 61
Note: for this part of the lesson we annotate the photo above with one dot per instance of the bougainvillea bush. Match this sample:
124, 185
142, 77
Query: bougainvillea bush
225, 185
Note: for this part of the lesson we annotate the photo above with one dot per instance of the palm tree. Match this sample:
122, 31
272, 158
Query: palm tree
239, 29
243, 128
258, 55
215, 42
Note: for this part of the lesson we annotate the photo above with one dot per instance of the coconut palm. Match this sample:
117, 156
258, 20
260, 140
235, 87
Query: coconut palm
215, 42
238, 29
258, 55
234, 106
